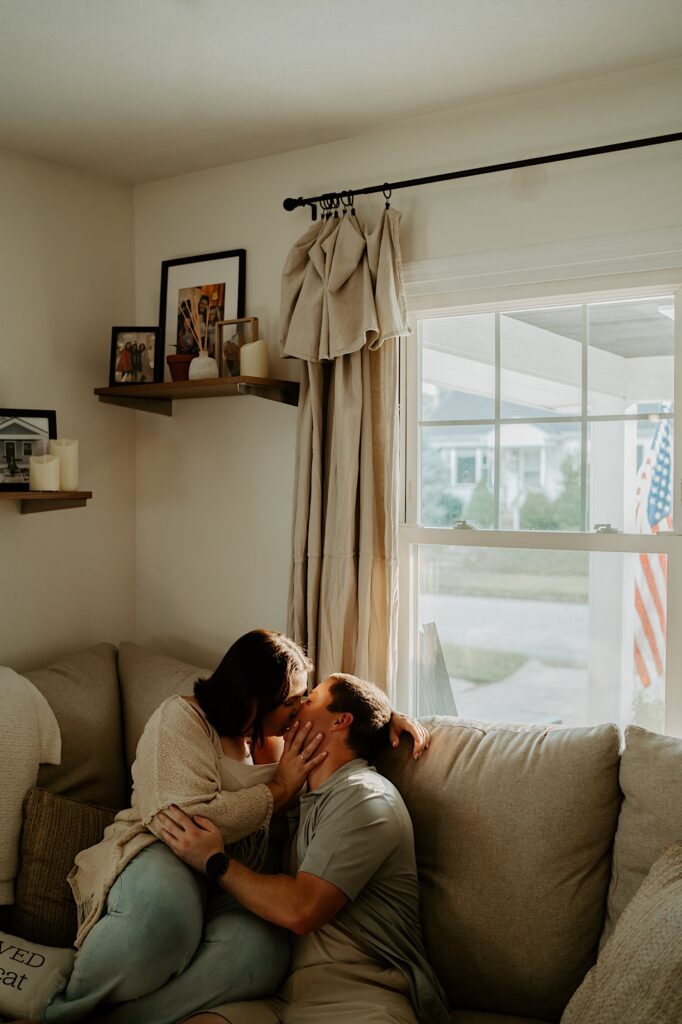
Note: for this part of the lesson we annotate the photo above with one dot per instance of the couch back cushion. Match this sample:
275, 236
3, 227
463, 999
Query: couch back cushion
82, 690
650, 817
147, 678
513, 832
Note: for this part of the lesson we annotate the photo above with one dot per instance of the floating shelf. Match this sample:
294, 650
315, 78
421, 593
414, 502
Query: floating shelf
159, 398
46, 501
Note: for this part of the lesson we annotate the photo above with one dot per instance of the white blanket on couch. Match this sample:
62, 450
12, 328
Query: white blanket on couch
29, 737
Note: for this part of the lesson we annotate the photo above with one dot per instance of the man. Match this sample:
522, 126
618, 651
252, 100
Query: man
352, 899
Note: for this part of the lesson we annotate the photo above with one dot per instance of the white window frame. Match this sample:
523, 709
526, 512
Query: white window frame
597, 280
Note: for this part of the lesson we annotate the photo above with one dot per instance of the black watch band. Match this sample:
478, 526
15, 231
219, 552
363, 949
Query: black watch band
216, 866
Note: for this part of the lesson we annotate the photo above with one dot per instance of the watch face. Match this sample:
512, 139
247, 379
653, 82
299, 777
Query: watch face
216, 865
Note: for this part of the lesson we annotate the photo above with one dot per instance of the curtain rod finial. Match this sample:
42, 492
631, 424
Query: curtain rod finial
291, 204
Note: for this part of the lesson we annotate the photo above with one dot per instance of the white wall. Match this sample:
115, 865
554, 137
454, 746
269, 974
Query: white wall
214, 484
66, 577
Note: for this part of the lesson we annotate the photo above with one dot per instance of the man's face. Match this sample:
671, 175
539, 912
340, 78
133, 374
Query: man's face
314, 709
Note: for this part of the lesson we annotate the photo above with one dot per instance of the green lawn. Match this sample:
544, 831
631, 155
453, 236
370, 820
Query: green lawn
480, 665
522, 586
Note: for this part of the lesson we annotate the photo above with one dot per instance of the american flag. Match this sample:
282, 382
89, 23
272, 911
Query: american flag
653, 513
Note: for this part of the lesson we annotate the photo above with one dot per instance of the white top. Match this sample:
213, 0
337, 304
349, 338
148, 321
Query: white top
235, 775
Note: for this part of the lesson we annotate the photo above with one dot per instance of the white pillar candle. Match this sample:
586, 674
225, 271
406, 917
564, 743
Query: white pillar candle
67, 451
253, 359
43, 473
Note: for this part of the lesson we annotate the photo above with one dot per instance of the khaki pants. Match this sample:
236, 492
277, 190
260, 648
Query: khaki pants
331, 982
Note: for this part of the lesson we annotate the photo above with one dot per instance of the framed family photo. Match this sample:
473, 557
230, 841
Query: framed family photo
197, 292
135, 356
23, 433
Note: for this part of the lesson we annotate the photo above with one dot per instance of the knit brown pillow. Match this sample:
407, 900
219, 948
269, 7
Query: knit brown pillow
55, 829
638, 976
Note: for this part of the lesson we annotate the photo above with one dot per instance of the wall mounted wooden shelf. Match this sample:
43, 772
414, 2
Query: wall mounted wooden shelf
46, 501
159, 398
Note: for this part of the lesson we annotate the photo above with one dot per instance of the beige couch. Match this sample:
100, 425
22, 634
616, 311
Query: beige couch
530, 841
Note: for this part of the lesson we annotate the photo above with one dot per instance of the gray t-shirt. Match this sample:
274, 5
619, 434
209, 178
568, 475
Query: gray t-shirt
355, 832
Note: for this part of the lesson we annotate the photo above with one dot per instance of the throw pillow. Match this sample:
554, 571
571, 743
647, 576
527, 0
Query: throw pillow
30, 975
55, 829
638, 976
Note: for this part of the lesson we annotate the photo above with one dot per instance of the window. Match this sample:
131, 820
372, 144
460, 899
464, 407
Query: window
550, 602
466, 469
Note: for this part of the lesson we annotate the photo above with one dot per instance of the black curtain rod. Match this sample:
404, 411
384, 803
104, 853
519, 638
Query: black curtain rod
470, 172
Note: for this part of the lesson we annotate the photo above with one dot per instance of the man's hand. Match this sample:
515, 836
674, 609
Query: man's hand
192, 840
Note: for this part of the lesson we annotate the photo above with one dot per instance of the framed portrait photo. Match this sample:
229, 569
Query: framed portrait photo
196, 293
23, 433
135, 355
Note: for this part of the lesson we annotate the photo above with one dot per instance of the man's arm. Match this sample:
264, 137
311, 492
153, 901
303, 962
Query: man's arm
300, 904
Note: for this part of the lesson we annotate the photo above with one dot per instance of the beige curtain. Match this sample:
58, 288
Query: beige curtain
343, 308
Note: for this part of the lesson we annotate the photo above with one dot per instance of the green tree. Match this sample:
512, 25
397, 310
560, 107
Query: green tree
481, 508
440, 506
567, 504
538, 513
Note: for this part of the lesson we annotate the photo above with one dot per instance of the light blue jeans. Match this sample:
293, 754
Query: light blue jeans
163, 949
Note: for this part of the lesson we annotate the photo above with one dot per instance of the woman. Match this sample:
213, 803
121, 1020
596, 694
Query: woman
151, 936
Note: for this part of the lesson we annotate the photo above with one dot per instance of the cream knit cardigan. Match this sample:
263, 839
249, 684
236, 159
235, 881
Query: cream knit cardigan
176, 763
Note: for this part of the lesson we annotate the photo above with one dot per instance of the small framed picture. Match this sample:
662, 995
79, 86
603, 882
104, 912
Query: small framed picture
134, 355
23, 433
196, 293
232, 334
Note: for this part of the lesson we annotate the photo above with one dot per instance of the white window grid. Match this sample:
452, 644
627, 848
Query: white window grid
412, 534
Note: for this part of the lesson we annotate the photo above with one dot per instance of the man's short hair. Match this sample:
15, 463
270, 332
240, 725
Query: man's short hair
370, 709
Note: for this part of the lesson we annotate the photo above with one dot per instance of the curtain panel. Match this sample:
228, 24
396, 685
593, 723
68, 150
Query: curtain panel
343, 309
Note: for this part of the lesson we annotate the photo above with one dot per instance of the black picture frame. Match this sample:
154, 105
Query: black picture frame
142, 369
207, 273
23, 438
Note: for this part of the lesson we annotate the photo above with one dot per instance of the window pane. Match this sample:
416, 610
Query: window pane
457, 466
630, 475
574, 638
630, 355
541, 360
458, 367
540, 476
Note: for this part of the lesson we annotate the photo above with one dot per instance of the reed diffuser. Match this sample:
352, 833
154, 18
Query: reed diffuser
197, 320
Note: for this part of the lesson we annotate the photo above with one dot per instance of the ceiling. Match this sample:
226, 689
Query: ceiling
630, 329
145, 89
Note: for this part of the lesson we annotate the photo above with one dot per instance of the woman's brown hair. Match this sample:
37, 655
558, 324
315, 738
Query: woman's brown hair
254, 677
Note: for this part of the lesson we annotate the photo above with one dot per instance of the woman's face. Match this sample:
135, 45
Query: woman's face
277, 721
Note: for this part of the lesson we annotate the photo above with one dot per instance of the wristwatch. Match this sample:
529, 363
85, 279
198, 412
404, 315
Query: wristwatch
216, 866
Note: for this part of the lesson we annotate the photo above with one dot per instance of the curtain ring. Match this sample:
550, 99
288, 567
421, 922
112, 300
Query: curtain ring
388, 192
347, 200
325, 203
335, 205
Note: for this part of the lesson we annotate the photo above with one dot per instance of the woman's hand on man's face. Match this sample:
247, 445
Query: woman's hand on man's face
299, 757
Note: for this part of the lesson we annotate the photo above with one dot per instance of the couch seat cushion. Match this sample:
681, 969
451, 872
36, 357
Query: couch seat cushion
55, 829
513, 831
650, 817
476, 1017
82, 690
147, 678
638, 976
